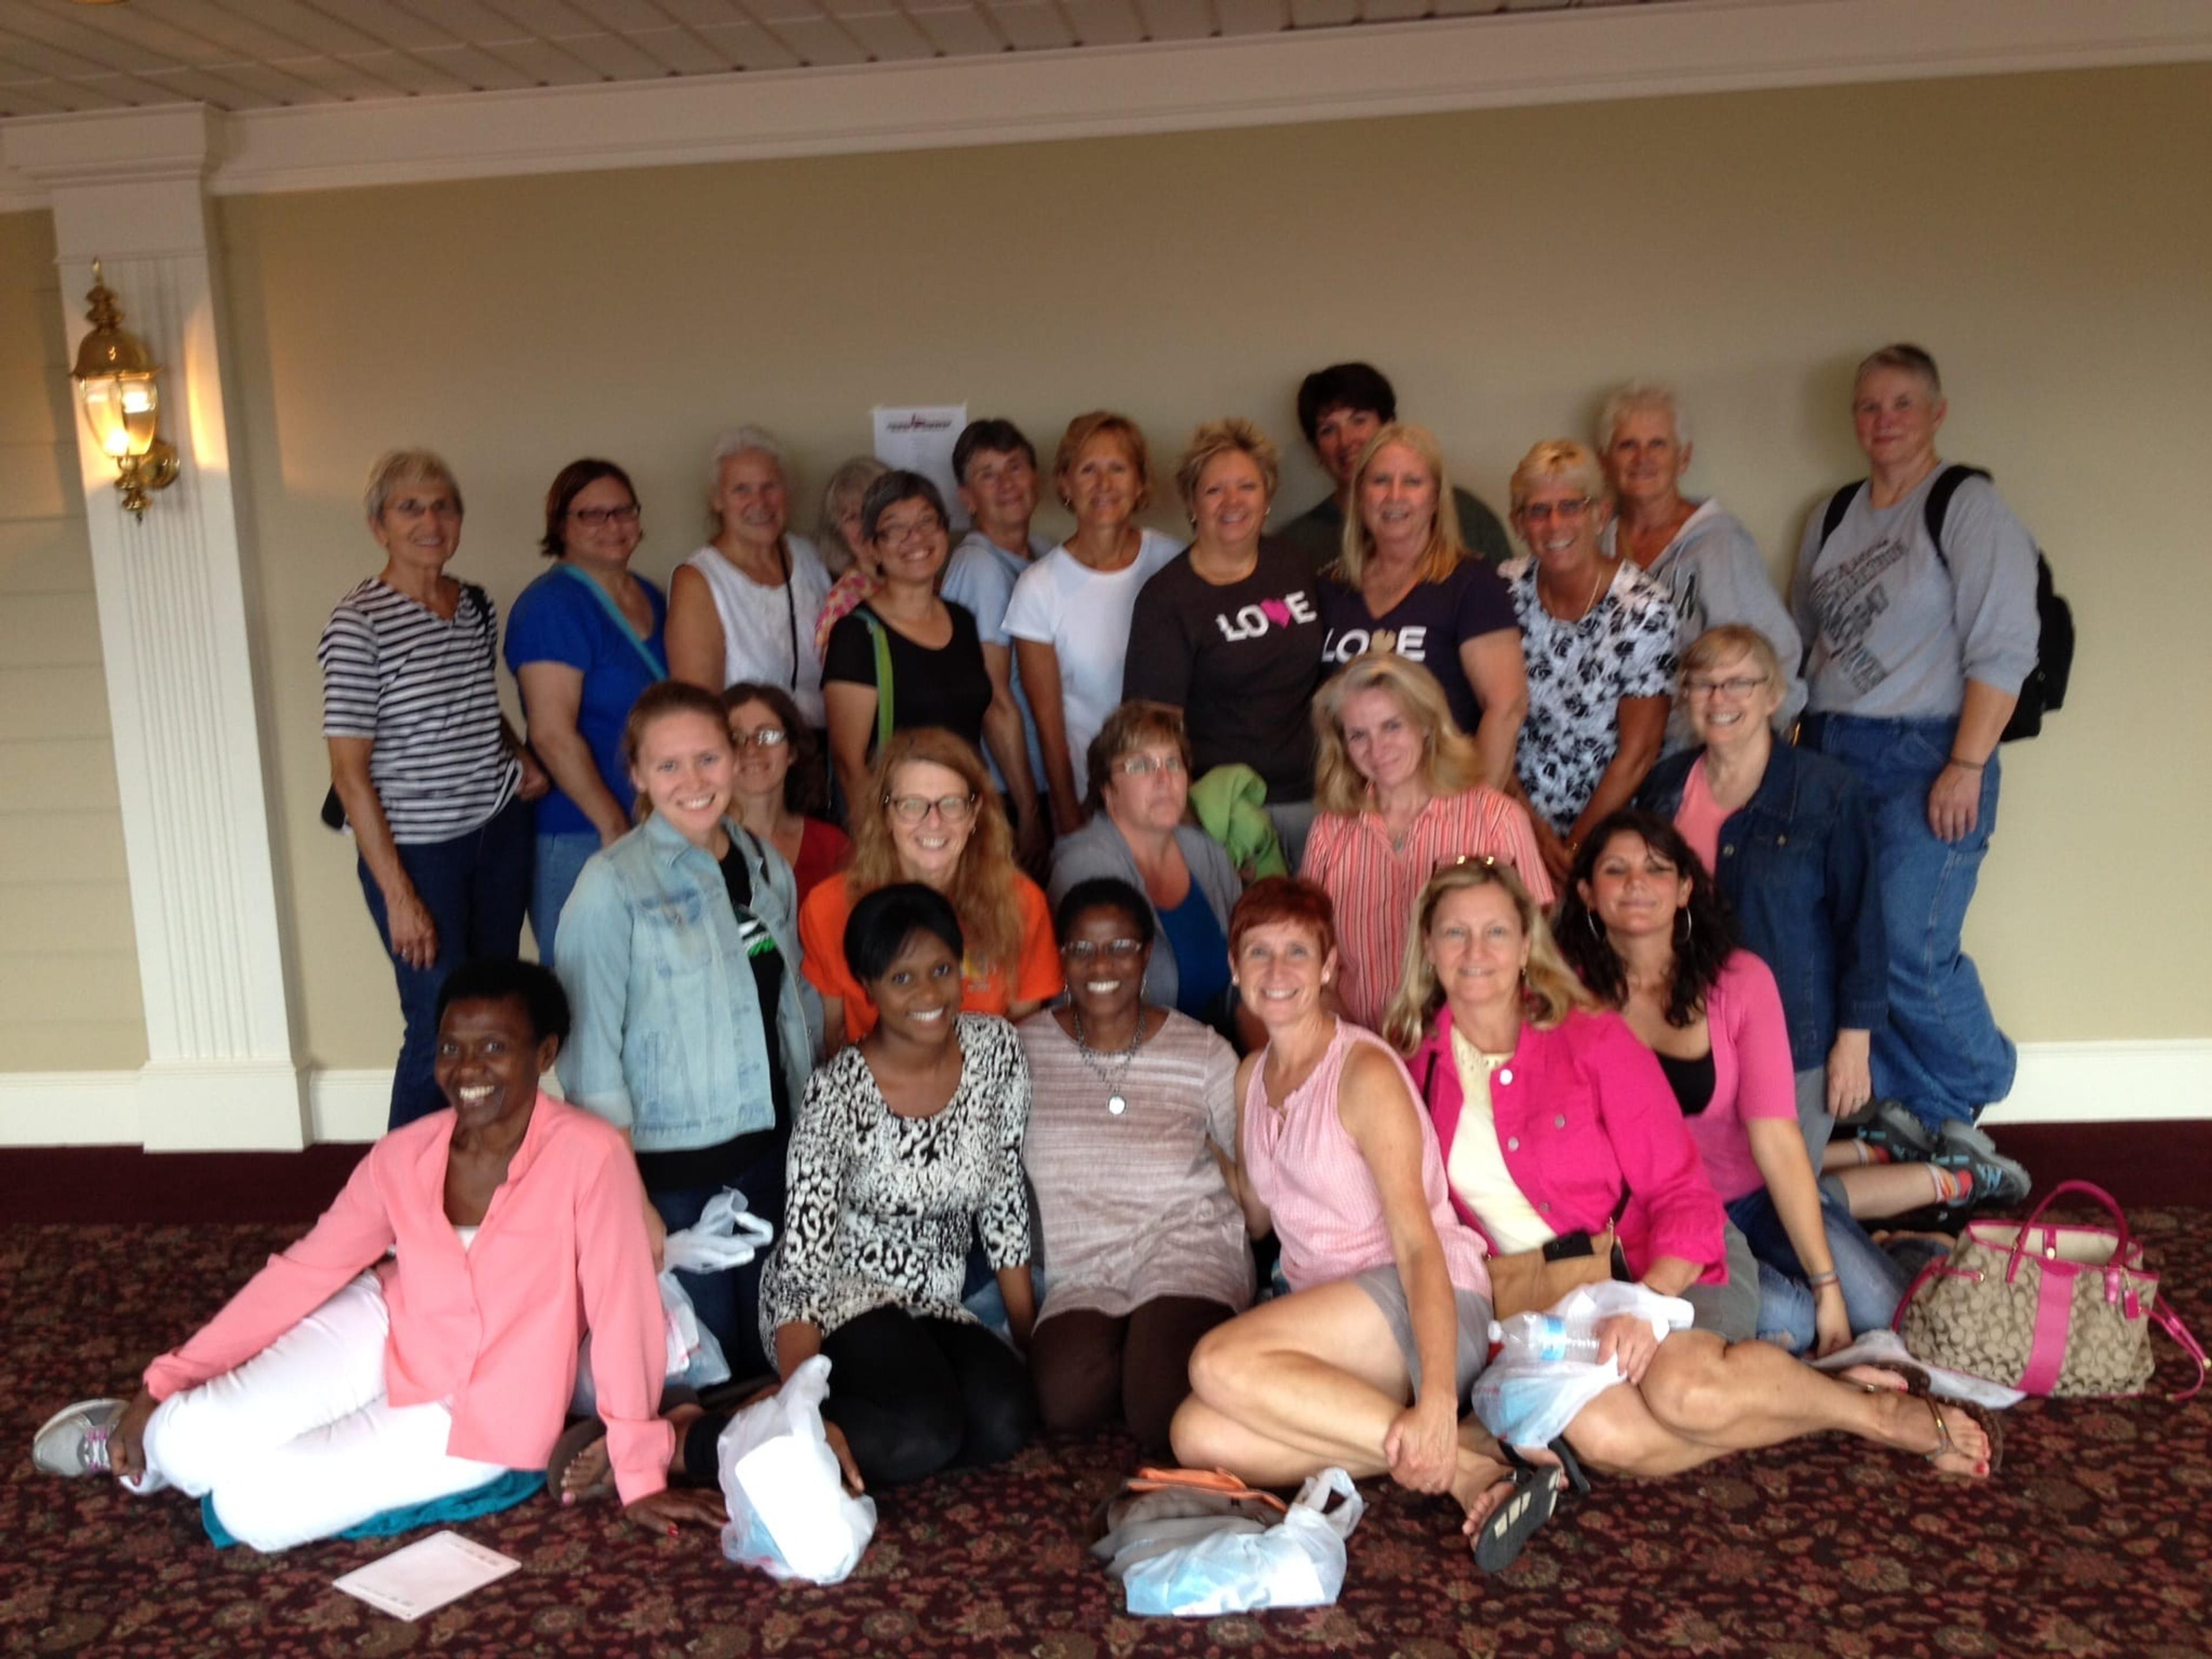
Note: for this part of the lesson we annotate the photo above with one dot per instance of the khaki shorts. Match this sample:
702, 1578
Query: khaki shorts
1384, 1289
1730, 1311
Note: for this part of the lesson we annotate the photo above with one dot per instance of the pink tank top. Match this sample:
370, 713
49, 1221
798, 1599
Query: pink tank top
1305, 1167
1699, 817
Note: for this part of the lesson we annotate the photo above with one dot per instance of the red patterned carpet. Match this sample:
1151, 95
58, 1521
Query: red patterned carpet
2094, 1541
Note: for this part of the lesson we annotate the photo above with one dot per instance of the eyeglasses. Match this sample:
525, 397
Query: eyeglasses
1081, 950
1742, 686
898, 535
769, 737
1143, 766
1544, 512
595, 517
913, 808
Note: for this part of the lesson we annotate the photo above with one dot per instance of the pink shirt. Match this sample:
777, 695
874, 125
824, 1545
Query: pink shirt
1751, 1074
1699, 817
1304, 1166
492, 1330
1373, 885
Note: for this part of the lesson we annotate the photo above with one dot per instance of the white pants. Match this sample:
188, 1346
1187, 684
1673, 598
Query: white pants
298, 1442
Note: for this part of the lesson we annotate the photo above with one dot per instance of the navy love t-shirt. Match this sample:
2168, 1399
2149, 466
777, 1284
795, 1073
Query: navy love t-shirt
1242, 660
1428, 626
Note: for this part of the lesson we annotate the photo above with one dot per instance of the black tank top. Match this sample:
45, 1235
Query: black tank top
1691, 1080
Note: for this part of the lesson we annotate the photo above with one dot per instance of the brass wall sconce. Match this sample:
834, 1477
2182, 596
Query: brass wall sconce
115, 381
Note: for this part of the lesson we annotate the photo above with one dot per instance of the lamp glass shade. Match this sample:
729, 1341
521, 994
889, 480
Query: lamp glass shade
120, 409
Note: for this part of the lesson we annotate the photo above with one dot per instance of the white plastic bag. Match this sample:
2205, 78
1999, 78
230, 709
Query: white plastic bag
695, 1355
725, 1235
1298, 1563
1527, 1401
790, 1514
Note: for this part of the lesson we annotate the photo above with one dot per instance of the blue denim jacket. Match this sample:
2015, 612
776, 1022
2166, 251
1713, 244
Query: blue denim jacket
669, 1041
1797, 862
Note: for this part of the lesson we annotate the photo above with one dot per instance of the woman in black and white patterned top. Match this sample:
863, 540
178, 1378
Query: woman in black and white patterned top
908, 1145
1599, 638
431, 778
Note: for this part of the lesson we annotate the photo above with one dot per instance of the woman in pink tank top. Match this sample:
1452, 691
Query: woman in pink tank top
1364, 1364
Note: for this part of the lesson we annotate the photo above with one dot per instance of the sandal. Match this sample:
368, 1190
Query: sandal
578, 1438
1514, 1522
1983, 1418
1917, 1381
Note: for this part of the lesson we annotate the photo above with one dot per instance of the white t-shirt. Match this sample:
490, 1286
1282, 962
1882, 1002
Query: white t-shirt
1083, 615
768, 633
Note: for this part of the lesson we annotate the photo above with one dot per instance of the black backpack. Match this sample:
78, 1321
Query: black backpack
2044, 688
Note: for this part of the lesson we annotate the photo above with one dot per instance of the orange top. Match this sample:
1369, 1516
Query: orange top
1036, 978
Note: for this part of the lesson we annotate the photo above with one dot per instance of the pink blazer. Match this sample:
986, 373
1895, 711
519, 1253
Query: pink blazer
493, 1330
1582, 1112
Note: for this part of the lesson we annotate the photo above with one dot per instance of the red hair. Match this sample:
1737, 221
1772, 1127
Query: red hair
1284, 898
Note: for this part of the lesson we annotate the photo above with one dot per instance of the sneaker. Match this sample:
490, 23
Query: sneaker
1997, 1179
1893, 1125
74, 1441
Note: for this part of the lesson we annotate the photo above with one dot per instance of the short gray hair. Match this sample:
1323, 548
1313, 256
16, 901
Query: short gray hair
1641, 394
850, 483
402, 466
737, 441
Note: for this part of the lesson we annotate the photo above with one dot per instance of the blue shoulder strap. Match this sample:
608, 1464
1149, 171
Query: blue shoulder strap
629, 632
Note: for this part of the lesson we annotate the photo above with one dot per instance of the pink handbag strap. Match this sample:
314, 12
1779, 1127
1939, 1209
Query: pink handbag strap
2111, 1206
2170, 1322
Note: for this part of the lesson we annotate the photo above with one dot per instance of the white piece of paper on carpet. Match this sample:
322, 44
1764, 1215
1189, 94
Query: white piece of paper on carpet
425, 1575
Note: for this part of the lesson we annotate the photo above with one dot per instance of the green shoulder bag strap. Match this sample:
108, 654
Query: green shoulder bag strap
882, 644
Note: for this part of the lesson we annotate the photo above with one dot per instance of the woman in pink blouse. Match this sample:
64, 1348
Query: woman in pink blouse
338, 1384
1398, 792
1553, 1120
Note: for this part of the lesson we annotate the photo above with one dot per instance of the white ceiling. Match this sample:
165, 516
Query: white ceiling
57, 56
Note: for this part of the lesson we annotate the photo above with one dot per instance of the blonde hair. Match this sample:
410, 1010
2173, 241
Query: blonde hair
1232, 436
1558, 458
1447, 545
1450, 763
984, 891
1083, 428
1550, 992
396, 467
1717, 644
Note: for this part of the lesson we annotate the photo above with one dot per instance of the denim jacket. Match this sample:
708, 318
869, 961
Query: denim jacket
669, 1042
1797, 863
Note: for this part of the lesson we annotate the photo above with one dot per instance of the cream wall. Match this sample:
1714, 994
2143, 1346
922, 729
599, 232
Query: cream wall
69, 964
2046, 235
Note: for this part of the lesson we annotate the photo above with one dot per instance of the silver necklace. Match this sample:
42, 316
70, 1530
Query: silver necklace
1116, 1102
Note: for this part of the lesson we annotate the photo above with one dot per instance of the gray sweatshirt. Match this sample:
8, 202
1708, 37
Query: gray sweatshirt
1893, 635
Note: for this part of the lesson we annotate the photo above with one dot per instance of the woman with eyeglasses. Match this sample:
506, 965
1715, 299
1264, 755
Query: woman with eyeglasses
1133, 1112
927, 813
1599, 638
1140, 832
777, 779
582, 642
904, 657
693, 1034
1399, 791
1789, 835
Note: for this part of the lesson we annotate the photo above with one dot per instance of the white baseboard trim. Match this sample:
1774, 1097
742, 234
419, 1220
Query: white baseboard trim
2163, 1079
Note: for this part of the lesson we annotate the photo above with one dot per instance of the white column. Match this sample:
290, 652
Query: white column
128, 189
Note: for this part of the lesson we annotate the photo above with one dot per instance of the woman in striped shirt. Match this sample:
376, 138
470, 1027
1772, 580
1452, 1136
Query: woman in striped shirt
1397, 784
432, 780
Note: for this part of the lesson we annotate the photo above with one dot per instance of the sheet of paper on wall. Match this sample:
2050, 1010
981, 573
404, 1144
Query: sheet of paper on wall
424, 1576
919, 438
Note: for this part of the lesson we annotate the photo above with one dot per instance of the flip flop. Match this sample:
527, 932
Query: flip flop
1569, 1466
1917, 1381
1983, 1418
1515, 1521
577, 1438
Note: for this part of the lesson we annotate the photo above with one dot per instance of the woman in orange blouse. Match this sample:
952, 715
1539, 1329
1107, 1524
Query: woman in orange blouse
931, 815
1396, 785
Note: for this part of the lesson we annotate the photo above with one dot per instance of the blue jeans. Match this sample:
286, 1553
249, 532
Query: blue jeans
1872, 1283
728, 1303
559, 861
1940, 1050
476, 887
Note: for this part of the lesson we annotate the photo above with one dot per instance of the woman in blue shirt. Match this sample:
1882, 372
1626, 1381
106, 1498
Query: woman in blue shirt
583, 640
693, 1034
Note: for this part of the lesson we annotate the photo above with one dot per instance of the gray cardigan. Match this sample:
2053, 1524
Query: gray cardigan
1097, 849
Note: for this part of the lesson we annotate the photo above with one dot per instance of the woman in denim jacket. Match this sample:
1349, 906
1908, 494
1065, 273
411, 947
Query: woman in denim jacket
1789, 836
694, 1033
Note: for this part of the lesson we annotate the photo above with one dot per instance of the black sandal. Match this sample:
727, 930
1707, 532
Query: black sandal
1509, 1527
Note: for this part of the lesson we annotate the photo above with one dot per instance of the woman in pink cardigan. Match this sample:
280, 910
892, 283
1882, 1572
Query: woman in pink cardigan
339, 1384
1644, 927
1554, 1119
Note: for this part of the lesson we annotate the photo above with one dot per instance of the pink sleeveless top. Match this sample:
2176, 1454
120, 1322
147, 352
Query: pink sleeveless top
1304, 1167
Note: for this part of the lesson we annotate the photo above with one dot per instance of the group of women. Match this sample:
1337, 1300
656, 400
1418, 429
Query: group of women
937, 1077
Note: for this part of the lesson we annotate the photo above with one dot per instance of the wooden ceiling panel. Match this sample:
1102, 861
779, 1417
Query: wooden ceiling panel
747, 46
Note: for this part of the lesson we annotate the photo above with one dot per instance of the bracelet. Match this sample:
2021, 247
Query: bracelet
1971, 766
1821, 1281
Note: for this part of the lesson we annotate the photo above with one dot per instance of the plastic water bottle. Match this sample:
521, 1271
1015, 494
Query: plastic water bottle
1547, 1336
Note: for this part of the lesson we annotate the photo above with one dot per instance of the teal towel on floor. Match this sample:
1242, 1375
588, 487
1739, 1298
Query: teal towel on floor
501, 1492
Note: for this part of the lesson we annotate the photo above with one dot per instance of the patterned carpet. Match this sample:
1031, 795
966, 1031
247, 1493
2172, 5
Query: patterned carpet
2094, 1540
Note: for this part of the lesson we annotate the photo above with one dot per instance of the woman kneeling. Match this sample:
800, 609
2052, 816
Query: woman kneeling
337, 1385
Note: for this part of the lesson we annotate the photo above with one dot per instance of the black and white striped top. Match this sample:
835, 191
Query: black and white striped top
424, 690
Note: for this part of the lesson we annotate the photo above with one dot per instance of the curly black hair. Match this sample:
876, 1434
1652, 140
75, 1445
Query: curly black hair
1705, 934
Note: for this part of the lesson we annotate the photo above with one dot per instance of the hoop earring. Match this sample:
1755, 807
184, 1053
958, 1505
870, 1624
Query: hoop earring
1689, 926
1590, 916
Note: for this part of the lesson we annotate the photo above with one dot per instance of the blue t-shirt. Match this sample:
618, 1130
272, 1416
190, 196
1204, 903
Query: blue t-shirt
559, 617
1201, 954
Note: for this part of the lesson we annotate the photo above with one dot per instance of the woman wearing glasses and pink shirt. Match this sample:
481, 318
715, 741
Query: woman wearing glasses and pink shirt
926, 812
1139, 833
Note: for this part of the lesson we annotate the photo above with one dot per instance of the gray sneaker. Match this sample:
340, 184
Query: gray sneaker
75, 1440
1997, 1179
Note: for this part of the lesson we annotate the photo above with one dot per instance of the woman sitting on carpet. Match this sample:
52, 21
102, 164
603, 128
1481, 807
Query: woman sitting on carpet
337, 1385
1555, 1119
